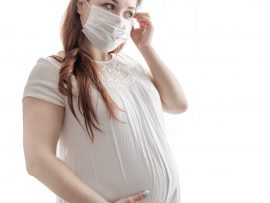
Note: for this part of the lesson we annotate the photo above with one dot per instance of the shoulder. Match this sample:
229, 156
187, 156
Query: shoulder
56, 58
42, 82
48, 63
46, 69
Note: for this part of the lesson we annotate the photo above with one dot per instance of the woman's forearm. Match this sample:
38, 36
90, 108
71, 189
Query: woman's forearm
168, 86
59, 178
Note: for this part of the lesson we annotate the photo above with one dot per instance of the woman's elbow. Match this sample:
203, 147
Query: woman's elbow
174, 109
30, 168
181, 108
34, 165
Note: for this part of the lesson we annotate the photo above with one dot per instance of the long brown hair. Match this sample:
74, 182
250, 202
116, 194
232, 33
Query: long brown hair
79, 63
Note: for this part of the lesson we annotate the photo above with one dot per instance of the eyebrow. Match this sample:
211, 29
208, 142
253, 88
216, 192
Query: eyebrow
116, 2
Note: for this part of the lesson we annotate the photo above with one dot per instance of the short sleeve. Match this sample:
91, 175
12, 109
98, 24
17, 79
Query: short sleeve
42, 82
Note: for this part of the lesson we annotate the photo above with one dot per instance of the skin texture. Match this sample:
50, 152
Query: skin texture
42, 121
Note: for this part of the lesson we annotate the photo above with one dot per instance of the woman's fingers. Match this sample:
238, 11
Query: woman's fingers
143, 19
134, 198
142, 14
139, 196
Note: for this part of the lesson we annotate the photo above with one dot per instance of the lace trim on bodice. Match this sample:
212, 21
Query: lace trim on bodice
116, 69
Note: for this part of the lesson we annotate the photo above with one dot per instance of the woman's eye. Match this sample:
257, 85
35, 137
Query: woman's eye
109, 6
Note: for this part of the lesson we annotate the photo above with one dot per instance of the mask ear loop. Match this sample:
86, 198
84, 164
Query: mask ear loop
134, 20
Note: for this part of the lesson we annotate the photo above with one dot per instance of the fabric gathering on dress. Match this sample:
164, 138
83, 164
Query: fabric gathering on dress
125, 158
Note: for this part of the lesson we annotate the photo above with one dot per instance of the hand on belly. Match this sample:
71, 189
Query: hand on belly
134, 198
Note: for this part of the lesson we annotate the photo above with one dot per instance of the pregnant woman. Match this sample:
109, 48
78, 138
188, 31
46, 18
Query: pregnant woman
93, 121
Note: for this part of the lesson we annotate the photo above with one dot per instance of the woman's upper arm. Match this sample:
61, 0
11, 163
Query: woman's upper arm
42, 124
43, 111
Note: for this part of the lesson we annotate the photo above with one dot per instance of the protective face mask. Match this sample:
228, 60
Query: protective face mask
105, 30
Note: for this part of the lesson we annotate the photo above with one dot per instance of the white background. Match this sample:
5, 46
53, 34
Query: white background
218, 50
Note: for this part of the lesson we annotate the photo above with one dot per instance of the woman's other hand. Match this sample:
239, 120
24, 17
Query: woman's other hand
134, 198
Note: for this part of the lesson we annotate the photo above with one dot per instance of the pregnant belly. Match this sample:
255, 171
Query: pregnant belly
127, 170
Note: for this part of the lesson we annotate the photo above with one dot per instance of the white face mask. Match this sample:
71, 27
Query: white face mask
105, 30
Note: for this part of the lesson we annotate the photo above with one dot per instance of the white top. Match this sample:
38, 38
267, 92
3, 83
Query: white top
127, 157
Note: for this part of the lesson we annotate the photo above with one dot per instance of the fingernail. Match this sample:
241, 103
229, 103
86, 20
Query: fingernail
146, 193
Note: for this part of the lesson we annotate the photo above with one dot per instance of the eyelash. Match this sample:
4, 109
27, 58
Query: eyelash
105, 5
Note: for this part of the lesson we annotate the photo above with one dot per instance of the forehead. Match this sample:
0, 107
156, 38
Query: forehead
121, 3
132, 3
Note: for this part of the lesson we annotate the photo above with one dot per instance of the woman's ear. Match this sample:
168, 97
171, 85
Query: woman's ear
80, 5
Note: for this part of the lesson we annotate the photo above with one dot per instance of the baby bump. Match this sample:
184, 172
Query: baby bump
132, 169
118, 165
